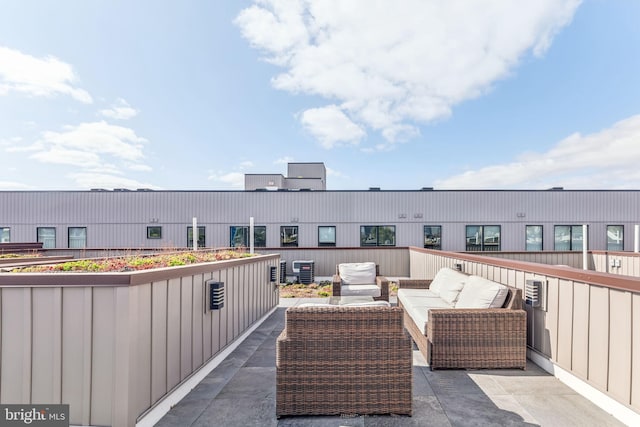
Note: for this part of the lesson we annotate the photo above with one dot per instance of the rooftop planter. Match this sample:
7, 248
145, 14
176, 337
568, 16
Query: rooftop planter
113, 338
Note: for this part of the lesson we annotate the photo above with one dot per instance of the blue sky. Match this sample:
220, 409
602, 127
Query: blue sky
398, 95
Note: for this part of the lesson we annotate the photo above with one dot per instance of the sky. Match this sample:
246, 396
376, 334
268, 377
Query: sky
404, 94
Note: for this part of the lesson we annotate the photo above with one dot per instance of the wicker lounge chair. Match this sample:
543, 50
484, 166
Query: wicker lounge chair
360, 278
338, 360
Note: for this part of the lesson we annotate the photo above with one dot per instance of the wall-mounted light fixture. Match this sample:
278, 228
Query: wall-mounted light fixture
216, 294
535, 294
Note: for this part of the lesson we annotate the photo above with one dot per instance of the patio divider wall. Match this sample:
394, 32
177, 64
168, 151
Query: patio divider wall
587, 324
112, 345
620, 263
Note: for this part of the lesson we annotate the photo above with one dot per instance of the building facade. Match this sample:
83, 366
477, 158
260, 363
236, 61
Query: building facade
452, 220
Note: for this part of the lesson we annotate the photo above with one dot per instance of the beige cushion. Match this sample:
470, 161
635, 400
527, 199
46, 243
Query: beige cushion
360, 290
357, 273
420, 313
410, 293
368, 304
449, 291
479, 292
446, 275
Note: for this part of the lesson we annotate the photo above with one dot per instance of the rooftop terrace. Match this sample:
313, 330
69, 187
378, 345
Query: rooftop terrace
241, 391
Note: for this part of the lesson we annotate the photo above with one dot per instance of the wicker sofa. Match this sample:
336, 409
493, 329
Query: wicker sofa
360, 279
343, 360
463, 321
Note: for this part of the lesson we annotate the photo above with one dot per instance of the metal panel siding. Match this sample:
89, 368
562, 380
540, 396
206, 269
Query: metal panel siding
119, 219
620, 346
15, 332
46, 352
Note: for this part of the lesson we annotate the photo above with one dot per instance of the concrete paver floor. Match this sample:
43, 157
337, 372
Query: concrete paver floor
241, 391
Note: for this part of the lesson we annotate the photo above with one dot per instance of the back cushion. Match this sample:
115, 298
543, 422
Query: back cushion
445, 276
357, 273
450, 291
479, 292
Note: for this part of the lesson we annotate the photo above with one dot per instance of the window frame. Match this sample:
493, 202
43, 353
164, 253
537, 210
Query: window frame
321, 242
366, 235
437, 246
294, 241
572, 237
150, 235
258, 243
526, 238
621, 245
5, 231
43, 241
481, 234
202, 244
69, 229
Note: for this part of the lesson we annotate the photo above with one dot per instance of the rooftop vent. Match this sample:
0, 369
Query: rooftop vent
99, 189
374, 188
556, 189
426, 189
121, 189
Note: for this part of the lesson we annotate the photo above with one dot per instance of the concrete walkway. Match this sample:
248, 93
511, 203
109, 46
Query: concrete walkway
241, 392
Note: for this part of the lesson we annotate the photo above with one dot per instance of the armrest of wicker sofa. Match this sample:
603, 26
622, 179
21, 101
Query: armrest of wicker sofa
477, 338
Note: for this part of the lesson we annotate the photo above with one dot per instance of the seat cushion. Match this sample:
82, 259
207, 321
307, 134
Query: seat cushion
357, 273
368, 304
446, 276
479, 292
420, 313
371, 290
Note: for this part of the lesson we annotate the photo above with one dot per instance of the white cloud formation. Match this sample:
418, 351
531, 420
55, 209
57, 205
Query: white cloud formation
121, 110
102, 180
606, 159
96, 138
13, 186
33, 76
331, 126
96, 150
283, 160
234, 180
388, 66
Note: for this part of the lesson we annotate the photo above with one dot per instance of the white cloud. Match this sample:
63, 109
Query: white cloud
606, 159
96, 150
331, 126
230, 179
13, 186
233, 180
33, 76
99, 138
283, 160
121, 110
102, 180
388, 66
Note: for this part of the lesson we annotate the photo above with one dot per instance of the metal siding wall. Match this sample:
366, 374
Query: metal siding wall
119, 219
